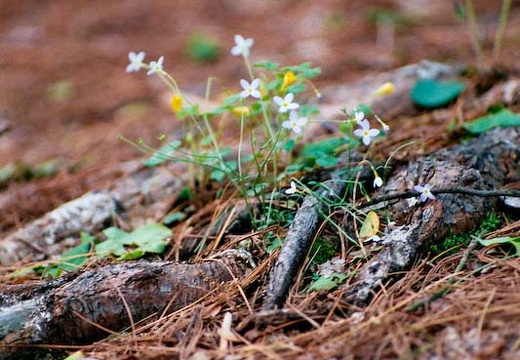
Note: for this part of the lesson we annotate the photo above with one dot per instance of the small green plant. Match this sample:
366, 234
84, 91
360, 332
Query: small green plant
143, 240
269, 120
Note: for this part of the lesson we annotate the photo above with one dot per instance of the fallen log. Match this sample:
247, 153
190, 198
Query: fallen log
85, 306
486, 163
143, 194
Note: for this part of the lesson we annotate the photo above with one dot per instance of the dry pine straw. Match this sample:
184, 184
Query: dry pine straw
475, 318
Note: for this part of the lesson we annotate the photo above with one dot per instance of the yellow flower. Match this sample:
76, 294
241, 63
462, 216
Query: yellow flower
385, 89
241, 110
288, 79
176, 103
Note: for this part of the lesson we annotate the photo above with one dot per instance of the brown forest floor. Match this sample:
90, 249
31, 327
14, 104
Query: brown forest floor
83, 45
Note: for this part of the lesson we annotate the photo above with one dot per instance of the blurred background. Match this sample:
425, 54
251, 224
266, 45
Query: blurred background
65, 96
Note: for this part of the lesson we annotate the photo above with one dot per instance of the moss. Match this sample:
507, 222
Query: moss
454, 242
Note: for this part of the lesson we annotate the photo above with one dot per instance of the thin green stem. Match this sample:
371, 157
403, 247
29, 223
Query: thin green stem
241, 139
208, 126
502, 22
169, 81
267, 123
472, 21
248, 67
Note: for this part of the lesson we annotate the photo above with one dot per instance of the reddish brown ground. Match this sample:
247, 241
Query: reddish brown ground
84, 44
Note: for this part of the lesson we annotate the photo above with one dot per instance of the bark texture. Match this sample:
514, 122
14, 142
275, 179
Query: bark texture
67, 310
145, 193
487, 162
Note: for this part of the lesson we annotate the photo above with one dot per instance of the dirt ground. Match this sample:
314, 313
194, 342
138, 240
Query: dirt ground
65, 96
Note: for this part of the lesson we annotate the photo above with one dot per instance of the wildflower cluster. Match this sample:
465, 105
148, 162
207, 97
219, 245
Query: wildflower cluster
268, 97
269, 110
271, 97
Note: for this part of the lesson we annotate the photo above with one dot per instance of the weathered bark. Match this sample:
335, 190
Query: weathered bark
144, 194
487, 162
67, 310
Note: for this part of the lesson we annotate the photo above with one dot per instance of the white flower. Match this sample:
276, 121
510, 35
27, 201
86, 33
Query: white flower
242, 46
378, 182
250, 89
136, 61
294, 123
366, 133
286, 103
425, 192
359, 116
292, 189
155, 66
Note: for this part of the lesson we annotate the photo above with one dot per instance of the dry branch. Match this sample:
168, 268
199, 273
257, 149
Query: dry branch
75, 309
299, 239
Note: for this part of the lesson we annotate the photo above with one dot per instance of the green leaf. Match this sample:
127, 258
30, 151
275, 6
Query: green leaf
268, 65
304, 70
366, 109
72, 259
502, 118
109, 247
289, 145
174, 217
230, 100
296, 88
321, 148
431, 94
274, 245
147, 233
7, 172
114, 233
327, 161
515, 241
148, 238
325, 284
132, 255
203, 48
460, 12
294, 168
184, 194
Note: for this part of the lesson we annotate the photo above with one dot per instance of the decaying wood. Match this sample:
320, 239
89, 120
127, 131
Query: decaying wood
487, 162
75, 308
300, 236
144, 194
